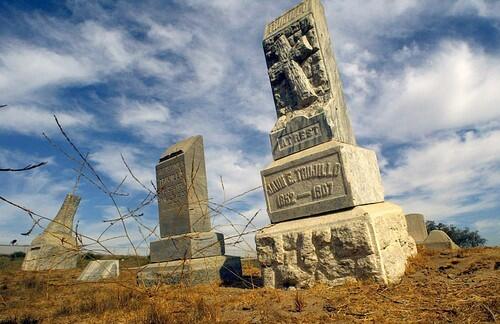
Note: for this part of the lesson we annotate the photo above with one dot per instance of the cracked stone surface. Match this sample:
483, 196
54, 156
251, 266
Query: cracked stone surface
366, 242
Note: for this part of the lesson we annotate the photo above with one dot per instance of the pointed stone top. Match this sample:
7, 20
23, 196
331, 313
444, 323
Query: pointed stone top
181, 147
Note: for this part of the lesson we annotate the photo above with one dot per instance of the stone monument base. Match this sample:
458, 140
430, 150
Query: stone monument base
222, 268
368, 242
187, 246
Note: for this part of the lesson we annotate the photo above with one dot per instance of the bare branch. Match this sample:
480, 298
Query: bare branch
133, 175
26, 168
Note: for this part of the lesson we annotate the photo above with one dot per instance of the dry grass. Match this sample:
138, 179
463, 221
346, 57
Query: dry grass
461, 287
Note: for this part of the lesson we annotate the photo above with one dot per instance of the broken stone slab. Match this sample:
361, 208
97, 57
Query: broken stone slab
416, 227
187, 246
304, 77
327, 177
216, 269
56, 248
182, 188
439, 240
369, 242
45, 256
100, 269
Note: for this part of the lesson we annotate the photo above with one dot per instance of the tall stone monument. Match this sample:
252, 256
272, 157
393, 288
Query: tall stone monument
188, 251
56, 247
324, 194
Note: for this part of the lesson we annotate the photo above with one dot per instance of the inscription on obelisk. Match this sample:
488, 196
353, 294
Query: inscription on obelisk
182, 189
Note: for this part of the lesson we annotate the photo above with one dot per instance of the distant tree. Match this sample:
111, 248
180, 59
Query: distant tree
17, 255
462, 237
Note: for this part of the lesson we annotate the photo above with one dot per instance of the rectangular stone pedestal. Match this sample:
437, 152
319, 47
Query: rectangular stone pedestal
187, 246
330, 176
191, 272
365, 242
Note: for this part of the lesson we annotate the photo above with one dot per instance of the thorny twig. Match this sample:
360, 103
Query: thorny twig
89, 173
26, 168
31, 213
94, 172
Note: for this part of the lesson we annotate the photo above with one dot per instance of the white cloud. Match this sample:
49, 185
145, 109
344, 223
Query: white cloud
454, 88
168, 36
239, 171
448, 176
148, 119
108, 44
483, 8
156, 125
107, 161
26, 68
33, 120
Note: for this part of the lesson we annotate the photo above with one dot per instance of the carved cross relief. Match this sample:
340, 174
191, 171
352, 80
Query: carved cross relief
289, 66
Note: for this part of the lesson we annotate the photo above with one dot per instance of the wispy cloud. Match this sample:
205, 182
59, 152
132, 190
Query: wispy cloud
134, 77
33, 120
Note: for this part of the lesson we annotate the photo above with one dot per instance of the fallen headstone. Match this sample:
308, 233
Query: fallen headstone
416, 227
438, 239
56, 247
100, 269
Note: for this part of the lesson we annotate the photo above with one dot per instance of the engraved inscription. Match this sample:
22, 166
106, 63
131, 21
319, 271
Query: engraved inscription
299, 136
286, 18
171, 183
306, 184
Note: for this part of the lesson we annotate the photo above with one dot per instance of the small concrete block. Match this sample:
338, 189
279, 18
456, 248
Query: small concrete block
187, 246
327, 177
100, 269
225, 269
366, 242
416, 227
438, 239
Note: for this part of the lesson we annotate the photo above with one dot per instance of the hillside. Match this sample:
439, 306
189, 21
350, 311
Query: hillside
461, 286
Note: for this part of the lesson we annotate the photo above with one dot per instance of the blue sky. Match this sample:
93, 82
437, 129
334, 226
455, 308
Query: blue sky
421, 78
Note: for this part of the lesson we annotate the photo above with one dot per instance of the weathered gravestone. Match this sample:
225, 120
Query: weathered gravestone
56, 247
319, 171
188, 251
416, 227
100, 269
439, 240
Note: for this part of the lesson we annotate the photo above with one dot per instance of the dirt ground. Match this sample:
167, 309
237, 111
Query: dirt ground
459, 287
